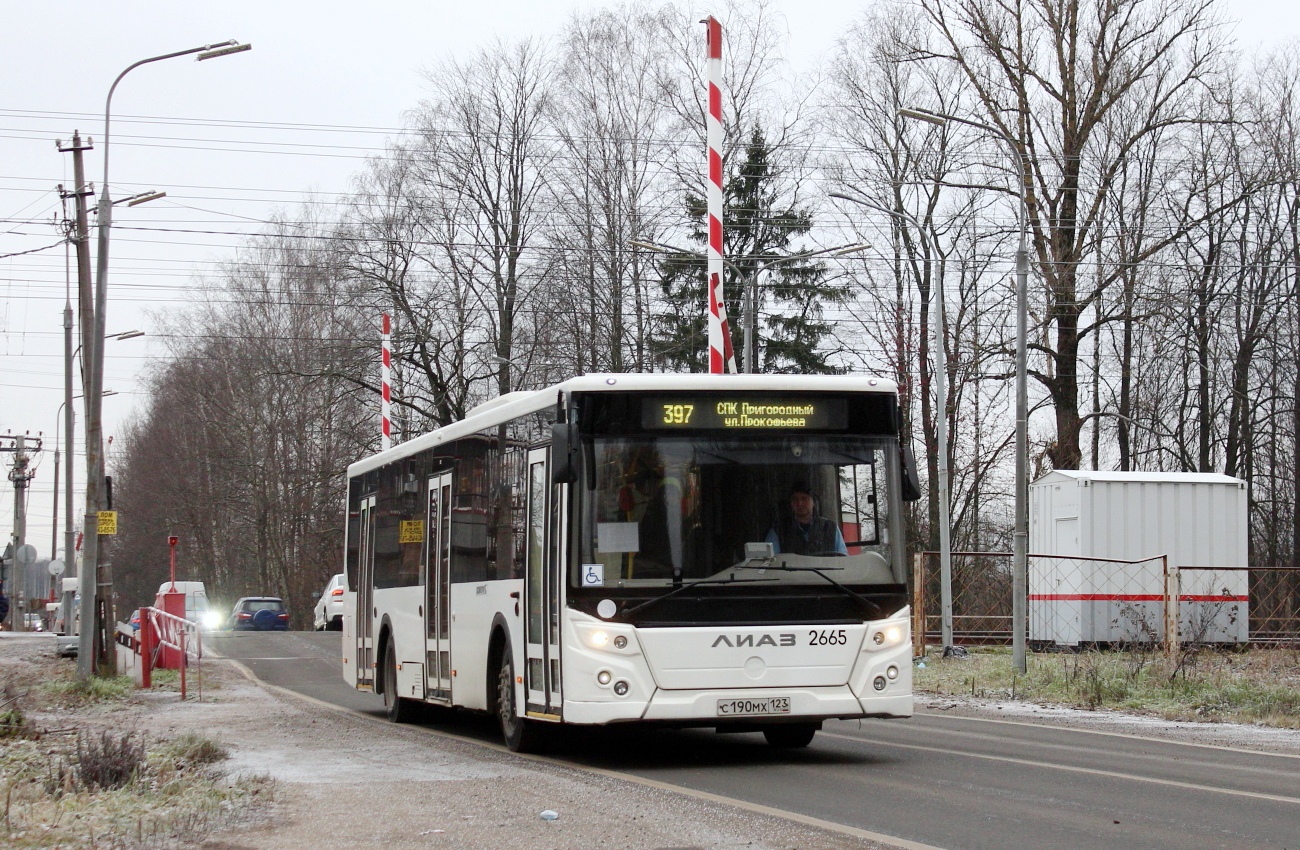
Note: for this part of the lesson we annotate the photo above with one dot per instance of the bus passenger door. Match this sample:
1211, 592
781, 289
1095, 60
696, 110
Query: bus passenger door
541, 593
365, 596
438, 588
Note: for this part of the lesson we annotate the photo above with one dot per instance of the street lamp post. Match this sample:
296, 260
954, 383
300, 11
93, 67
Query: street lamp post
750, 354
1020, 538
941, 419
65, 418
97, 621
67, 597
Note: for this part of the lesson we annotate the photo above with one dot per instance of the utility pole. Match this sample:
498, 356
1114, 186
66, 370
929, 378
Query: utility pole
89, 580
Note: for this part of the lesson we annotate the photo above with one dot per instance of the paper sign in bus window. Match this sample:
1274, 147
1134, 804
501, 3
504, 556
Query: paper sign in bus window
617, 537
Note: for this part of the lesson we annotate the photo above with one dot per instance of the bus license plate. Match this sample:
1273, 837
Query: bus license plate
751, 707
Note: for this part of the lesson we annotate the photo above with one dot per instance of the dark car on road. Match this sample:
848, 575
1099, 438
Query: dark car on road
259, 613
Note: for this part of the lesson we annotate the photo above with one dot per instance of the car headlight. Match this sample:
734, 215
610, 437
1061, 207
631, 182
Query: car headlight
211, 620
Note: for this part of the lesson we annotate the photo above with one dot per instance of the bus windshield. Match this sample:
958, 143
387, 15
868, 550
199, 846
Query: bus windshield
663, 511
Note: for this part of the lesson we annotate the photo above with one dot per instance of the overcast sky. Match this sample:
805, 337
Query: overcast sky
232, 140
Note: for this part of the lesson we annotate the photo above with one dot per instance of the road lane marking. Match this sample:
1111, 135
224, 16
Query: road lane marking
1092, 771
932, 714
1264, 772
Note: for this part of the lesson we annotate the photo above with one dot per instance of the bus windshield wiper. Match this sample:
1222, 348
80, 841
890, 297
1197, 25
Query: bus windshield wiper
730, 579
766, 564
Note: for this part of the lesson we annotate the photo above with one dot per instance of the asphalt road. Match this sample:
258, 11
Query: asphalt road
944, 781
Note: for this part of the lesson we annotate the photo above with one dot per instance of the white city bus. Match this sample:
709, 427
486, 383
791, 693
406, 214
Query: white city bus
610, 550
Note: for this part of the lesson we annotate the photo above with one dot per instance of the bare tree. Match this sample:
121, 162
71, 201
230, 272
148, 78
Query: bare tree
610, 185
928, 228
242, 451
1077, 85
485, 121
397, 238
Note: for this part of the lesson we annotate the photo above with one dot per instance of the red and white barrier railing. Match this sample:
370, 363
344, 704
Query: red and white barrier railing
169, 642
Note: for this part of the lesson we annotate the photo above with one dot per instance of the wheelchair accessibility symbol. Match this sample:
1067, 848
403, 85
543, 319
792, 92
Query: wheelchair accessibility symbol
593, 575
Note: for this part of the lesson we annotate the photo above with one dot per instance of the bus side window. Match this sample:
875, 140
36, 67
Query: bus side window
859, 506
353, 547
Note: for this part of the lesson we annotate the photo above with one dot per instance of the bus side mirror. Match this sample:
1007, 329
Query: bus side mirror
911, 484
564, 449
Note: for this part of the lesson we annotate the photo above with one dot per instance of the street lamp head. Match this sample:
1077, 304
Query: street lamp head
656, 248
851, 249
224, 49
144, 198
923, 115
125, 335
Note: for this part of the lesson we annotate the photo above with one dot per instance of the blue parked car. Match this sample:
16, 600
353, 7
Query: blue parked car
259, 613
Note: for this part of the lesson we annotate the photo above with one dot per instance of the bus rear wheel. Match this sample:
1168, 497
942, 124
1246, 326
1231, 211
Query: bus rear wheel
520, 734
790, 736
398, 709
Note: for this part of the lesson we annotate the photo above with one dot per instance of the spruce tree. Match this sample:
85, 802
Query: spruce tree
758, 227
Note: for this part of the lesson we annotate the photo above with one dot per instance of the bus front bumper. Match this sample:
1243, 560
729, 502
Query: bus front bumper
712, 707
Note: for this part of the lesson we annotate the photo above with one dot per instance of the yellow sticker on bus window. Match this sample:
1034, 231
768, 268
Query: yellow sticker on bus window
412, 531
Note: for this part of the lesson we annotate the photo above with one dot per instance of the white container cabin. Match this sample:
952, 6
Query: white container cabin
1195, 519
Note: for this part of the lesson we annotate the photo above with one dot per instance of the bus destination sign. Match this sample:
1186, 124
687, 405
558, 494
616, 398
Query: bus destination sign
738, 413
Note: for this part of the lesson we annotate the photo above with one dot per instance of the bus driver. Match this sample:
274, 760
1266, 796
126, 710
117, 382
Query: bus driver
805, 532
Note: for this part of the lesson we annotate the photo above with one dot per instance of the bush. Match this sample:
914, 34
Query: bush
109, 762
13, 722
93, 689
191, 750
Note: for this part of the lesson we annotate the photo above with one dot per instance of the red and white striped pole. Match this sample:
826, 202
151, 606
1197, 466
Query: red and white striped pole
385, 404
722, 358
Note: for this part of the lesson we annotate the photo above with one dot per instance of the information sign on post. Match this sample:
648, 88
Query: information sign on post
107, 522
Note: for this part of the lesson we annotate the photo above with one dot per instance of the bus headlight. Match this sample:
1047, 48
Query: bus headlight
888, 636
603, 677
594, 636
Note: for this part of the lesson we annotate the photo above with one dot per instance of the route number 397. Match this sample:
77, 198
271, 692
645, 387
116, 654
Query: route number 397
678, 414
831, 637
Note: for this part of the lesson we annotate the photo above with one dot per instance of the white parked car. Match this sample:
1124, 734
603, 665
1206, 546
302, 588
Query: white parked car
329, 608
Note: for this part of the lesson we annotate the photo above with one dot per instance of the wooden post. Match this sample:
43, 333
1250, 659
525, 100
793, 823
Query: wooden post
185, 661
1173, 594
918, 603
147, 641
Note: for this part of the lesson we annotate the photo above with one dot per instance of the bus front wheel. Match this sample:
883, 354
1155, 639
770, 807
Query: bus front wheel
790, 736
520, 734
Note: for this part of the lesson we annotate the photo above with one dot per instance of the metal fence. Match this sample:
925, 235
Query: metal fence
1095, 601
